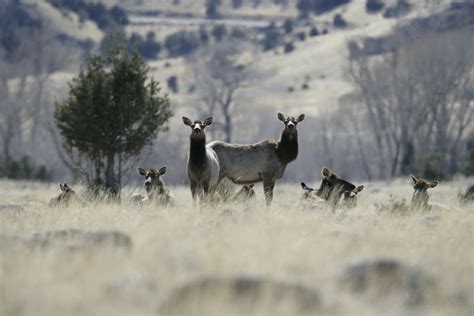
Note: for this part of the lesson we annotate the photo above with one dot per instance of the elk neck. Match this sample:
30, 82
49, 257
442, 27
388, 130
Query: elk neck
197, 155
287, 149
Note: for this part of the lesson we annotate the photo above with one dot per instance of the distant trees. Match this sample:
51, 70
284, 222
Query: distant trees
418, 103
148, 48
182, 43
29, 55
219, 75
212, 8
112, 112
339, 21
305, 7
219, 31
272, 37
104, 18
374, 6
400, 8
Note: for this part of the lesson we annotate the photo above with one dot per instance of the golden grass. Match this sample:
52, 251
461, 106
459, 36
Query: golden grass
175, 245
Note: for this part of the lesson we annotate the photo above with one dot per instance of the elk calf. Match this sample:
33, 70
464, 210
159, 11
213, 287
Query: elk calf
245, 193
203, 166
65, 196
467, 197
420, 197
154, 185
333, 189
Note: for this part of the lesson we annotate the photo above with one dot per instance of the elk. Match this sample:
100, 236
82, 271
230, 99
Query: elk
154, 185
308, 193
333, 188
203, 165
420, 197
245, 193
468, 196
264, 161
65, 196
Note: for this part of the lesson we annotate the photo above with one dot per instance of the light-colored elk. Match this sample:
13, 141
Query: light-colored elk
419, 200
265, 161
66, 194
334, 190
154, 186
203, 166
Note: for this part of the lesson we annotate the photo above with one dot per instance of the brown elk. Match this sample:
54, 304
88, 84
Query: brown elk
154, 185
65, 196
203, 165
333, 189
265, 161
420, 197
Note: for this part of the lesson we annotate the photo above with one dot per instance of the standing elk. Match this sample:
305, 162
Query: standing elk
333, 189
420, 197
203, 164
265, 161
154, 186
65, 196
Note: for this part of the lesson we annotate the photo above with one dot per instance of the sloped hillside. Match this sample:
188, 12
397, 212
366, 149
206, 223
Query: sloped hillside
64, 22
313, 76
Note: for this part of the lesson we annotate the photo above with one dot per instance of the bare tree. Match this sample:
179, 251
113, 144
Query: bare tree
23, 87
220, 72
417, 93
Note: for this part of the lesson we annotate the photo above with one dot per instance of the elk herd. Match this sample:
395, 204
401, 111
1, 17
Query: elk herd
209, 163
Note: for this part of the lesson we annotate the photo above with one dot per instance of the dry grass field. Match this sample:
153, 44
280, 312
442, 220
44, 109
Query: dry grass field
100, 258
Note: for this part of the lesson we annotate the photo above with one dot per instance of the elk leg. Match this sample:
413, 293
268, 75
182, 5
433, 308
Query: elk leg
268, 184
193, 191
207, 192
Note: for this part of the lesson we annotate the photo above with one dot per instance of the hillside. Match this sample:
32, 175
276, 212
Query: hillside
309, 79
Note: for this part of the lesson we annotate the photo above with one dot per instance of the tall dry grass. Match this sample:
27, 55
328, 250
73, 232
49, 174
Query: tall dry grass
288, 243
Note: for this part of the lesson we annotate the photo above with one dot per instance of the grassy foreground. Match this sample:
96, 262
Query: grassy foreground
185, 260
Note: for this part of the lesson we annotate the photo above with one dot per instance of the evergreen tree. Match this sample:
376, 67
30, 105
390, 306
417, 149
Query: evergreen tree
112, 112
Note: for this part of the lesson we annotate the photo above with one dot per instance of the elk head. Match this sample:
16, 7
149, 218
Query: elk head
153, 182
290, 124
65, 195
420, 195
332, 188
197, 126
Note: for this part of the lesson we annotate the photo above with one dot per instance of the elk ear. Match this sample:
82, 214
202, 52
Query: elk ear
359, 188
432, 184
251, 186
208, 121
187, 121
162, 170
305, 187
325, 172
62, 186
281, 117
415, 180
141, 171
301, 117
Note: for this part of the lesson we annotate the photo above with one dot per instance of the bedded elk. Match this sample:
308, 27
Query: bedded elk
333, 189
420, 196
203, 164
264, 161
244, 194
467, 197
154, 186
65, 196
